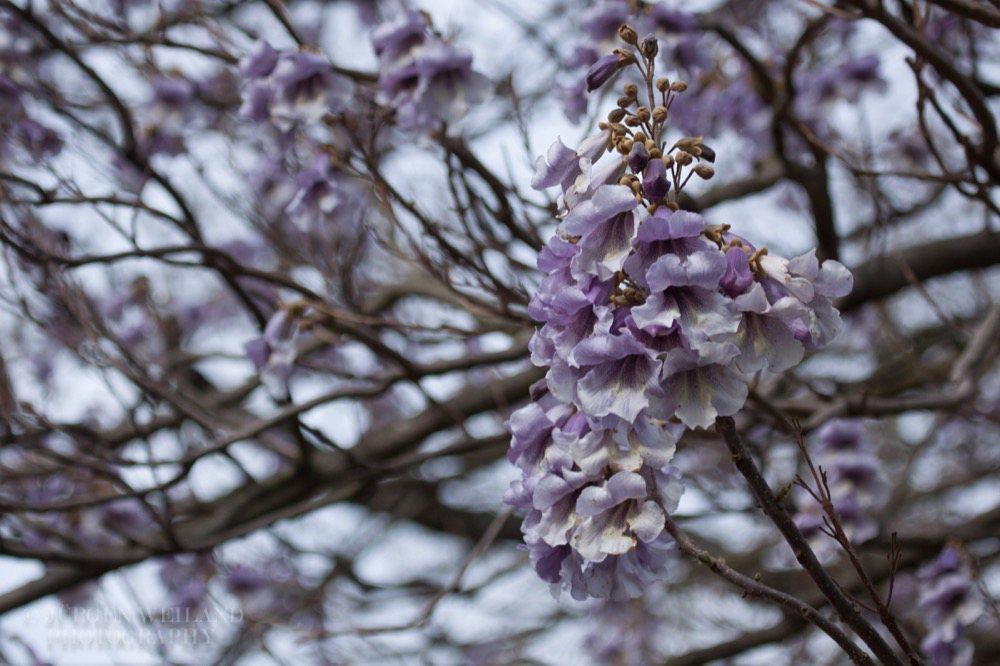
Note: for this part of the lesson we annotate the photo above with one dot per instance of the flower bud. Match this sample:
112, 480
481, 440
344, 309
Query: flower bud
616, 115
689, 144
642, 113
631, 90
626, 57
638, 157
707, 153
628, 35
602, 70
625, 101
639, 136
655, 154
655, 183
663, 85
678, 86
683, 158
649, 47
632, 121
668, 161
704, 171
660, 114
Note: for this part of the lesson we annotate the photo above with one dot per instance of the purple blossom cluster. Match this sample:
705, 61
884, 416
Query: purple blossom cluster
857, 485
290, 88
424, 80
17, 126
652, 322
949, 606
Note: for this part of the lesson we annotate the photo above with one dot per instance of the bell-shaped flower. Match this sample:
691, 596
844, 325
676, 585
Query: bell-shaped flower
703, 383
606, 224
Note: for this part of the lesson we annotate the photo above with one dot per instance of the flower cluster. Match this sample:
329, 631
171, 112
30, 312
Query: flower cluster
291, 87
949, 605
18, 126
424, 80
652, 321
856, 481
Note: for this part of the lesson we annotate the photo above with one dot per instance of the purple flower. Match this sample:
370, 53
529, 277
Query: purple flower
601, 21
602, 70
672, 20
949, 604
291, 87
273, 354
394, 39
260, 62
38, 139
435, 85
655, 183
638, 157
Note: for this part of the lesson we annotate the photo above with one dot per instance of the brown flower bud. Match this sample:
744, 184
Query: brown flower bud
668, 161
689, 144
632, 121
655, 154
683, 158
624, 102
616, 115
704, 171
628, 35
650, 144
663, 85
678, 86
643, 114
631, 90
639, 136
660, 114
625, 57
649, 47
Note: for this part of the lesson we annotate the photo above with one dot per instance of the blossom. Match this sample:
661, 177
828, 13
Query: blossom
291, 87
426, 81
273, 354
949, 605
856, 481
651, 322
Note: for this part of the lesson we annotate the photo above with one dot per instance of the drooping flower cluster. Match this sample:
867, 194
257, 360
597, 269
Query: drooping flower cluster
857, 485
652, 321
949, 604
424, 80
